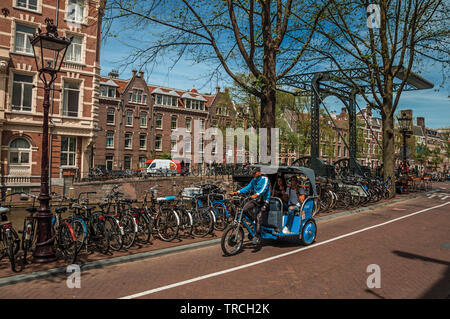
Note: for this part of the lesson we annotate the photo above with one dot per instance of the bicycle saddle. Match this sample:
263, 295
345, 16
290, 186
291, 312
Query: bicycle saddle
102, 205
4, 210
167, 198
31, 209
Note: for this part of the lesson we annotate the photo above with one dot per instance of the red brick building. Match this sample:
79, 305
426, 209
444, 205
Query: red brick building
73, 102
137, 120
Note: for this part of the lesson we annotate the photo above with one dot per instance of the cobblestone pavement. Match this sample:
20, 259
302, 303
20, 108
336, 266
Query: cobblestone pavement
413, 255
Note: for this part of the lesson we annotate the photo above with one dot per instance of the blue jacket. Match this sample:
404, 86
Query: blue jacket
260, 186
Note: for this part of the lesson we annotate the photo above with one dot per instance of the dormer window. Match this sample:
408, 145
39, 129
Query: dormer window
107, 91
166, 100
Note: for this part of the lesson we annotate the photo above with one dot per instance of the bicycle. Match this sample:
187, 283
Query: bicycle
9, 239
29, 228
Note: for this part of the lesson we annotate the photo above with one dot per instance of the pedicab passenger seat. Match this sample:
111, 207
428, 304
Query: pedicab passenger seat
274, 217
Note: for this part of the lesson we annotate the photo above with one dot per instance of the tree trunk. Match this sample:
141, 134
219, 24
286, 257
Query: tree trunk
388, 148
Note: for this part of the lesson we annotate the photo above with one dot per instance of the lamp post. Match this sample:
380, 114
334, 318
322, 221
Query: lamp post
49, 51
405, 123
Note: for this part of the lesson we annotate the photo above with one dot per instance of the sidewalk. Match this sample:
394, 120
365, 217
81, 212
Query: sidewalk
157, 248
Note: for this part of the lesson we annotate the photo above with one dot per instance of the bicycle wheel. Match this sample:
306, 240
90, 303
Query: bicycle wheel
114, 233
27, 238
129, 230
232, 240
67, 243
100, 235
167, 224
186, 222
144, 232
222, 220
203, 223
81, 233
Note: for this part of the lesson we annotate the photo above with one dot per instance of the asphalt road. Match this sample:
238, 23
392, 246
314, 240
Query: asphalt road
402, 248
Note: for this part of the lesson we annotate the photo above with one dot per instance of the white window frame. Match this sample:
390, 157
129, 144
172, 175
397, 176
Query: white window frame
125, 140
131, 161
26, 41
156, 139
109, 132
72, 47
171, 122
143, 115
114, 116
80, 98
187, 142
32, 83
20, 151
190, 124
161, 117
145, 141
68, 152
27, 8
84, 12
127, 117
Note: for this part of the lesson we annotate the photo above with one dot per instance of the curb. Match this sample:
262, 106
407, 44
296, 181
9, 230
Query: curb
6, 281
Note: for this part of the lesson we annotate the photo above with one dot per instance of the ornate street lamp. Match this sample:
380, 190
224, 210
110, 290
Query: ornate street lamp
405, 124
49, 52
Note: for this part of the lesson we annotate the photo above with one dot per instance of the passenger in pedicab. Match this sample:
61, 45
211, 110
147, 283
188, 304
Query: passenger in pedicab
279, 190
260, 186
295, 196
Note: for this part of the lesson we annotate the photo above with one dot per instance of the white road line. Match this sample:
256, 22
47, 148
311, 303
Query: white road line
431, 196
215, 274
445, 197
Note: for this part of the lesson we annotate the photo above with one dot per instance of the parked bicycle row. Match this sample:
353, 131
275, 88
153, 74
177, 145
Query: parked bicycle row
117, 223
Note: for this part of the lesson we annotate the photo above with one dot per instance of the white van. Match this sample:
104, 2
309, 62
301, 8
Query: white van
164, 166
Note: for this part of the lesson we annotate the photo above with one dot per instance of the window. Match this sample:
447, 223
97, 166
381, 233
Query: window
110, 139
73, 53
200, 145
107, 91
143, 119
128, 140
202, 125
173, 124
22, 92
109, 162
27, 4
188, 124
144, 99
71, 99
127, 162
213, 146
21, 43
136, 96
173, 145
68, 150
158, 143
110, 116
129, 118
188, 104
166, 100
187, 145
75, 10
19, 152
143, 141
158, 123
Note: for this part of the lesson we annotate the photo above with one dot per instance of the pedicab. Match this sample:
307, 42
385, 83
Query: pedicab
303, 227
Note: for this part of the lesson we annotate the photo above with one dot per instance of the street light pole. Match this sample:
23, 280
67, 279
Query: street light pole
49, 51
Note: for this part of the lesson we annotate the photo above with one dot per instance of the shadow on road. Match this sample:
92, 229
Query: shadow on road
441, 289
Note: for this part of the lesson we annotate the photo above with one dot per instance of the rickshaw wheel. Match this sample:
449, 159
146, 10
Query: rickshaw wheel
309, 232
232, 240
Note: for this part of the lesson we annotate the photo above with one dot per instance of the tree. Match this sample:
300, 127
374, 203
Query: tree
436, 158
260, 37
408, 32
422, 153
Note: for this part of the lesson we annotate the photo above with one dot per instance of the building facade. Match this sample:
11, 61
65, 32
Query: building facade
137, 121
73, 101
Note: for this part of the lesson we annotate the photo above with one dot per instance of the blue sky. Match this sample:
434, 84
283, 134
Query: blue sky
432, 104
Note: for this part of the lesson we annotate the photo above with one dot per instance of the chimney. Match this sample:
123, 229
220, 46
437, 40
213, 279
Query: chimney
141, 74
134, 71
114, 74
218, 90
